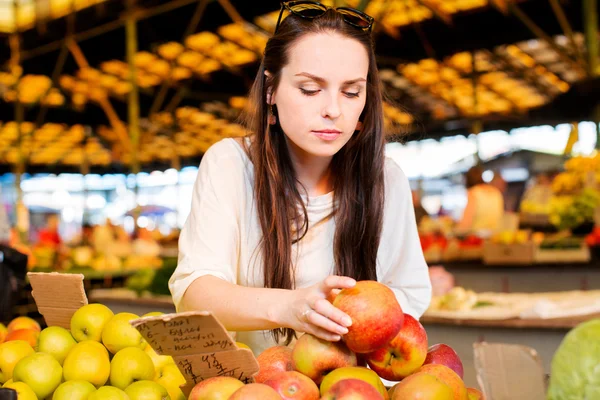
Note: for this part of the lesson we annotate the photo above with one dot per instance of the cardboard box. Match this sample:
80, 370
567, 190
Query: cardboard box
509, 372
508, 254
580, 255
197, 341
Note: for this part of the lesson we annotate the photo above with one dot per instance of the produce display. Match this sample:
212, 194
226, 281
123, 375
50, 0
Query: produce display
103, 357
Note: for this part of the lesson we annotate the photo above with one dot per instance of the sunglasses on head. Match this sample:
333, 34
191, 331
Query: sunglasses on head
314, 9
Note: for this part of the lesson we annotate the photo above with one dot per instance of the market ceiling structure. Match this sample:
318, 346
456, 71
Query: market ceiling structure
448, 65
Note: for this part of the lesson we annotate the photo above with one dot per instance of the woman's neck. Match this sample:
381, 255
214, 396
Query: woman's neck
312, 171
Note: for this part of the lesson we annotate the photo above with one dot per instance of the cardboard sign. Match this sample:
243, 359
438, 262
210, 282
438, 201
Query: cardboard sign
509, 371
200, 346
57, 296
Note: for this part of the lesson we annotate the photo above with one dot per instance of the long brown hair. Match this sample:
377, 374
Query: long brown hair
357, 169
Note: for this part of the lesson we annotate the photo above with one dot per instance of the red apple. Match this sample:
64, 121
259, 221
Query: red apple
292, 385
255, 391
421, 386
360, 373
445, 355
474, 394
28, 335
221, 387
23, 323
404, 354
449, 377
352, 389
273, 361
366, 303
316, 357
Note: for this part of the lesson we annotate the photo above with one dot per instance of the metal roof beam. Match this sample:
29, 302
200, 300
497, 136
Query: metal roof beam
536, 30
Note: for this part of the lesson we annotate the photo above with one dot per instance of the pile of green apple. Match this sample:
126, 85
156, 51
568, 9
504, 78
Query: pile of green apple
393, 344
102, 357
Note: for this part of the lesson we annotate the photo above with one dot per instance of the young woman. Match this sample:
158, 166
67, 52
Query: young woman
307, 203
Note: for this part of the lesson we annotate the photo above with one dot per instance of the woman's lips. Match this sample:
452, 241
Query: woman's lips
327, 134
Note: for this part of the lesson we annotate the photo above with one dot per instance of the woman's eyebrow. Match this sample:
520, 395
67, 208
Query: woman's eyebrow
322, 80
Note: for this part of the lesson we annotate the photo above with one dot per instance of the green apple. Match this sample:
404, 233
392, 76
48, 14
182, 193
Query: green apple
158, 360
24, 392
108, 393
41, 372
119, 334
361, 373
3, 332
147, 390
88, 322
153, 314
10, 354
73, 390
130, 365
171, 379
57, 342
87, 361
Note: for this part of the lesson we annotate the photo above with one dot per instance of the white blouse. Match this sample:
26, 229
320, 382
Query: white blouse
222, 232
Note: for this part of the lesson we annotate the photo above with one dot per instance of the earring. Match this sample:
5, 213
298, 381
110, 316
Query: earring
272, 118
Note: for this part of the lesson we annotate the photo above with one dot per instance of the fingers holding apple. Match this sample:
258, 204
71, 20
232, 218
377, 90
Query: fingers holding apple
365, 303
308, 310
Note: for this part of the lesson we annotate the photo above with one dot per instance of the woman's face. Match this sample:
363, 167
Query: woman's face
321, 93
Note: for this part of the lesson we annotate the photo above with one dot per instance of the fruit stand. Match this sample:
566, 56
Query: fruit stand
89, 352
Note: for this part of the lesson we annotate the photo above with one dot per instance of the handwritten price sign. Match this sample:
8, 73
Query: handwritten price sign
199, 345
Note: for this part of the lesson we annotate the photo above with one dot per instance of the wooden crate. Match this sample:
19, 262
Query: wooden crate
508, 254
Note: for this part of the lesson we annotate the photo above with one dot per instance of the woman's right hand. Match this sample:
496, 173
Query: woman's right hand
309, 310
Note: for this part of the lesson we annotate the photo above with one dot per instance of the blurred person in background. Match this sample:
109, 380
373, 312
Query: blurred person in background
144, 243
485, 204
49, 235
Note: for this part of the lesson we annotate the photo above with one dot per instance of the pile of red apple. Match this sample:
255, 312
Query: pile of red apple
101, 357
393, 344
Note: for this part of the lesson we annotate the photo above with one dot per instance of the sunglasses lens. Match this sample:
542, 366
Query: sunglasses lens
355, 19
308, 10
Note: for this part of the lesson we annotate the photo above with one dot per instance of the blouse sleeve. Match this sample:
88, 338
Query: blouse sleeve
402, 265
209, 240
